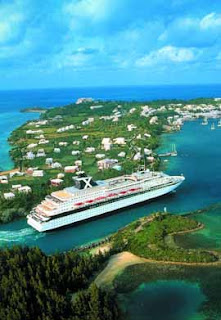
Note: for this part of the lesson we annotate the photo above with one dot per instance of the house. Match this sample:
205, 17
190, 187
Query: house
75, 152
43, 141
76, 142
150, 159
56, 182
106, 144
78, 163
9, 195
63, 143
40, 153
57, 150
24, 189
38, 173
147, 135
100, 156
122, 154
90, 149
70, 169
30, 155
131, 127
3, 179
30, 171
106, 163
153, 120
137, 156
147, 151
32, 145
16, 186
49, 161
132, 110
85, 137
60, 175
120, 141
56, 165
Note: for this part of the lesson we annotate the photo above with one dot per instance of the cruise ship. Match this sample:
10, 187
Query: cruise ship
88, 199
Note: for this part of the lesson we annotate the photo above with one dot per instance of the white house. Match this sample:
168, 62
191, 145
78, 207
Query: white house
78, 163
147, 151
9, 195
76, 142
75, 152
30, 155
43, 141
106, 163
16, 186
122, 154
49, 161
56, 165
38, 173
40, 153
57, 150
24, 189
120, 141
137, 156
90, 149
131, 127
100, 156
153, 120
106, 143
63, 143
85, 137
32, 145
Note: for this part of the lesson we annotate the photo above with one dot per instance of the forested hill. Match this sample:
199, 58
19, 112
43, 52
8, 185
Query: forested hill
34, 286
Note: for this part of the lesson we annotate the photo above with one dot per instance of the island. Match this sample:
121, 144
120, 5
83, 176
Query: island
102, 138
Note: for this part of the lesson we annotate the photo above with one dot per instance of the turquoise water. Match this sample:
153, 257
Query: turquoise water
207, 238
8, 122
164, 300
199, 154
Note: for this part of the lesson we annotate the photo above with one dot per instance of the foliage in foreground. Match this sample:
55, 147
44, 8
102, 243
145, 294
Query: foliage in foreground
36, 286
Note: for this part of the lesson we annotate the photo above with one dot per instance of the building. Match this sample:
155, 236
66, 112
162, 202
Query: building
56, 182
9, 195
89, 149
57, 150
56, 165
38, 173
30, 155
24, 189
106, 163
70, 169
122, 154
49, 161
120, 141
106, 144
40, 153
75, 152
100, 156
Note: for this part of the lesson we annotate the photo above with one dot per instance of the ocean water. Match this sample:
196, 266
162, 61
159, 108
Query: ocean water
207, 238
198, 157
168, 300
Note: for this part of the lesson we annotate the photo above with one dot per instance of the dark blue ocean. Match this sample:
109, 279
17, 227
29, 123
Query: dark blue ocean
17, 99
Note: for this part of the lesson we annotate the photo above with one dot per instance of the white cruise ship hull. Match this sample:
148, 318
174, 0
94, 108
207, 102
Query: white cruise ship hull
101, 209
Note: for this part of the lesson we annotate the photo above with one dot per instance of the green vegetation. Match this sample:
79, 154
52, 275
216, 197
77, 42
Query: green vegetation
147, 239
36, 287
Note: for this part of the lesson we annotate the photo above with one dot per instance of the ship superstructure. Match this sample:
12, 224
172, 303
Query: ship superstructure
88, 199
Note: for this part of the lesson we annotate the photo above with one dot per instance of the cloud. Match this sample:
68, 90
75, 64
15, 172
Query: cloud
167, 54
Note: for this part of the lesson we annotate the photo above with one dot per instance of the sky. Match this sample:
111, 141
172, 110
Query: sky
66, 43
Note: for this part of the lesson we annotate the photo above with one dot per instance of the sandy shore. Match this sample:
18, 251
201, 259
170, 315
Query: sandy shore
118, 262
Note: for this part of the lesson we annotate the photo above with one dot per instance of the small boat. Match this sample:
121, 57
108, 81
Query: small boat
219, 123
205, 122
212, 126
174, 152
